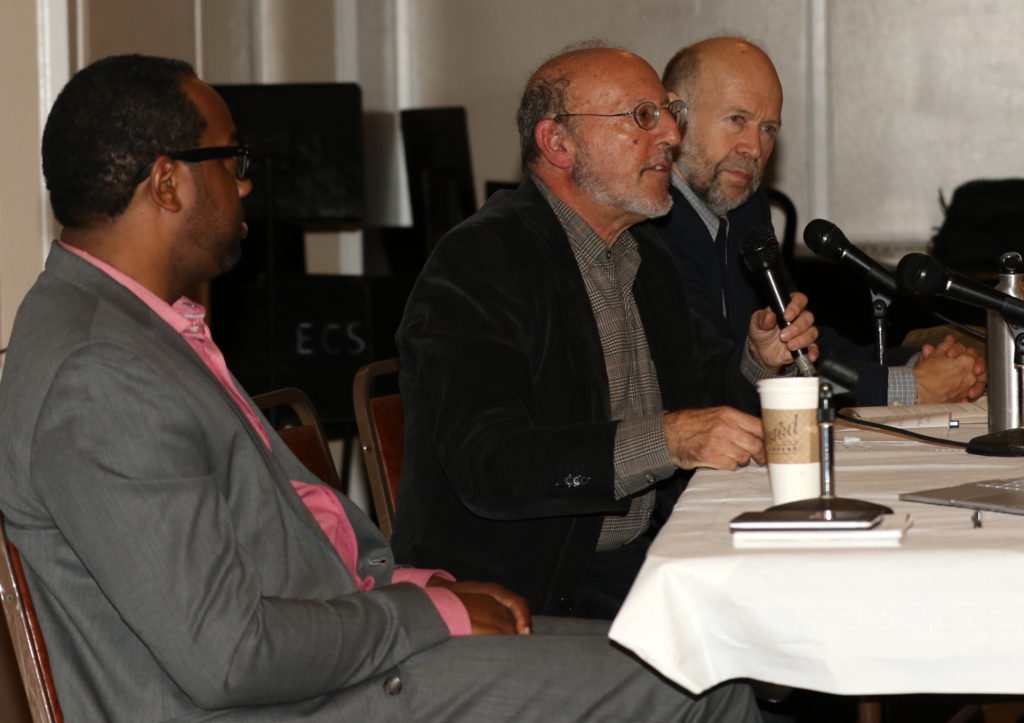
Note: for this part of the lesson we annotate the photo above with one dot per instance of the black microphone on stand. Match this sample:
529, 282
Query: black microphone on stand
923, 275
760, 252
825, 239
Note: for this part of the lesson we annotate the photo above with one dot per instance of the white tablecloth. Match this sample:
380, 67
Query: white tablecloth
944, 612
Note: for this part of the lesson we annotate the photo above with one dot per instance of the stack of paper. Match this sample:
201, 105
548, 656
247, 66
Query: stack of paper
911, 416
888, 533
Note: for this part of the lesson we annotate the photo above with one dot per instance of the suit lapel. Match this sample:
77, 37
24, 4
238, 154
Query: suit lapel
280, 477
82, 273
572, 300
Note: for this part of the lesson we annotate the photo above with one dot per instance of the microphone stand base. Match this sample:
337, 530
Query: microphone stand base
1008, 443
826, 505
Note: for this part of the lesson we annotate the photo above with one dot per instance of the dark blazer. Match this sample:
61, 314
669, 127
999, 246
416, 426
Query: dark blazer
508, 466
706, 278
703, 270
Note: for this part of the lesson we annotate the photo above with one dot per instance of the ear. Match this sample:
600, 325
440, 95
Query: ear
163, 184
556, 144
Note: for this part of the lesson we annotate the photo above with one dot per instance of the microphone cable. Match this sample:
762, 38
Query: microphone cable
979, 335
900, 430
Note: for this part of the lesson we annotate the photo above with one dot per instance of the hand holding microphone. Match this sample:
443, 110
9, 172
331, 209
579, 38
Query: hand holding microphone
789, 341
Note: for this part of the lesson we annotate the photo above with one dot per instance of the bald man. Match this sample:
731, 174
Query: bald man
734, 101
543, 343
185, 566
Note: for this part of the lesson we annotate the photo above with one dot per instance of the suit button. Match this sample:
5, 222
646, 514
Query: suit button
393, 685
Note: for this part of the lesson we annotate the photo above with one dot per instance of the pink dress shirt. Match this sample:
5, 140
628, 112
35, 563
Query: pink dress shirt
187, 318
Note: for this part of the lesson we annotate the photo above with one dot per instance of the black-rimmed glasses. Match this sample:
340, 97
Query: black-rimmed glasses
646, 114
195, 155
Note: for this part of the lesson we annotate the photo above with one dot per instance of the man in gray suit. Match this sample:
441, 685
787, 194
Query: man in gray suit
183, 563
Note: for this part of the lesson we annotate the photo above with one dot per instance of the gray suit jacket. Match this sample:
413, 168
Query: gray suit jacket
173, 568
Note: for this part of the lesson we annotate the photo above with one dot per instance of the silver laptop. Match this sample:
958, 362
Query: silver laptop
997, 495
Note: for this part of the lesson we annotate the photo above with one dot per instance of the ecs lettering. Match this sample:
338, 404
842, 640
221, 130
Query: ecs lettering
333, 339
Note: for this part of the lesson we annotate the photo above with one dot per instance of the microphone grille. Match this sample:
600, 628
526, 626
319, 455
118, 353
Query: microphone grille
922, 275
825, 239
759, 248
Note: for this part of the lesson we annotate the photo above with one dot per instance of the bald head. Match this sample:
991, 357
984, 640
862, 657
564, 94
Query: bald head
565, 81
715, 59
597, 132
735, 110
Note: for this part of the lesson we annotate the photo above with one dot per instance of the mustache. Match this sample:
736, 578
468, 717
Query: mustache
738, 163
664, 157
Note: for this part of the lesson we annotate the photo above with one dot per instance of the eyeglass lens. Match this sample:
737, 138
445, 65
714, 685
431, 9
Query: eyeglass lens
648, 113
242, 164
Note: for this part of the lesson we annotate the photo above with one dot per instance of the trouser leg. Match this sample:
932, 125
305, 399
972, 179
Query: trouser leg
566, 671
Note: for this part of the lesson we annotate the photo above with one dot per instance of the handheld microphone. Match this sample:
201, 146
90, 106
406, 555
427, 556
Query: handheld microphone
839, 370
923, 275
825, 239
760, 252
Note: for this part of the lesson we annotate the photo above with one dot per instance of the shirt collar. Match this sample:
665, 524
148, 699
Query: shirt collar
183, 316
711, 221
587, 246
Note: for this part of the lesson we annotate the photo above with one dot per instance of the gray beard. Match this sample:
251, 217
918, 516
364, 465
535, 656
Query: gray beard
596, 188
718, 203
711, 192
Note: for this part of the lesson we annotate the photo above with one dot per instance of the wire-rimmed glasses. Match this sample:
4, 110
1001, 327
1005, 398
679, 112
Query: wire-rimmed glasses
646, 114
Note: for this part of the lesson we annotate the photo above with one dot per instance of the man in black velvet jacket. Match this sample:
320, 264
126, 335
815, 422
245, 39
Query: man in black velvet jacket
536, 367
735, 112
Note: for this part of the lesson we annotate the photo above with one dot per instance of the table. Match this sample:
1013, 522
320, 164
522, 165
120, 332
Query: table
942, 613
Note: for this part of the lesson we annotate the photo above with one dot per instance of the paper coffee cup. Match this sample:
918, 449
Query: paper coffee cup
789, 411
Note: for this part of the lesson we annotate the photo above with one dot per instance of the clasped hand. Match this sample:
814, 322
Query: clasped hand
949, 372
492, 609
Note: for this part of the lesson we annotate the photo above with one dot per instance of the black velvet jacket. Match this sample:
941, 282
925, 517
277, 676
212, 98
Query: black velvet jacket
508, 467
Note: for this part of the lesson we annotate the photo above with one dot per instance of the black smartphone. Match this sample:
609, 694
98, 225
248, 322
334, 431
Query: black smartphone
806, 520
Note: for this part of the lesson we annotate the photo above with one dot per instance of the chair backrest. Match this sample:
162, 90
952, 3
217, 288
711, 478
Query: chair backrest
295, 420
35, 699
380, 421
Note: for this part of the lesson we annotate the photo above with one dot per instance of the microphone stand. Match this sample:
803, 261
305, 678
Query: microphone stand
827, 505
1009, 442
880, 306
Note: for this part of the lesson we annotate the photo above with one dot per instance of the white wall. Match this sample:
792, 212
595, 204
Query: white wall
22, 211
917, 95
479, 53
910, 96
925, 94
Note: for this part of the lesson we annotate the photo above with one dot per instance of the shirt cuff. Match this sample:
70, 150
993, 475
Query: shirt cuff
902, 386
754, 372
641, 454
448, 605
451, 610
418, 576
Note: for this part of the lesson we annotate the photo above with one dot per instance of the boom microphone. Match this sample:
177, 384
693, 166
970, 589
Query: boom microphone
760, 252
925, 276
825, 239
